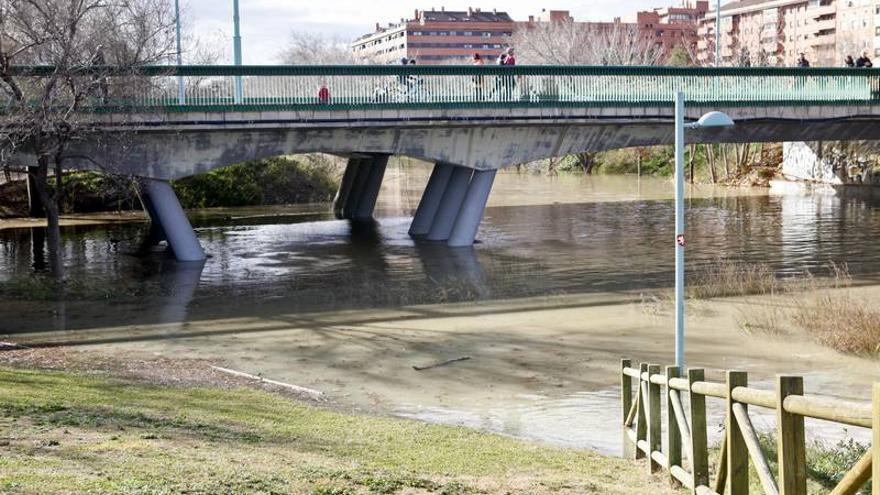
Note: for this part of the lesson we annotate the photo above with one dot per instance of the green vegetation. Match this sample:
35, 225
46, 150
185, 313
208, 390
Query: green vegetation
64, 432
280, 180
751, 164
826, 463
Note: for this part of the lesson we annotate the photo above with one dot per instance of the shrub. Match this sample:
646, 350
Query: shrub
278, 180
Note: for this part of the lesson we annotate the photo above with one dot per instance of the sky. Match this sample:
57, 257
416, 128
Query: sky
266, 24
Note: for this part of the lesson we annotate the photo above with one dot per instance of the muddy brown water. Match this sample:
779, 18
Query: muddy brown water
544, 305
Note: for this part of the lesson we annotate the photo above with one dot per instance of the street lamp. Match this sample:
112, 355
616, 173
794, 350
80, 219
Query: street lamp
709, 120
236, 48
181, 88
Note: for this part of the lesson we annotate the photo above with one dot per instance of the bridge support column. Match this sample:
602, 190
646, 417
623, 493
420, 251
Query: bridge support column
430, 201
349, 210
471, 213
369, 195
157, 233
450, 204
181, 236
343, 195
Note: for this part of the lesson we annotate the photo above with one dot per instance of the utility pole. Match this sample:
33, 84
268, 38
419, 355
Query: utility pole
718, 33
236, 47
181, 88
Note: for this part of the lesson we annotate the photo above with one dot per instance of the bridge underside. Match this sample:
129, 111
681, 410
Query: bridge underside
467, 146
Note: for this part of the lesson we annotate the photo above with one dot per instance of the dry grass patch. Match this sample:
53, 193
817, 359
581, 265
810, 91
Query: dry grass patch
841, 320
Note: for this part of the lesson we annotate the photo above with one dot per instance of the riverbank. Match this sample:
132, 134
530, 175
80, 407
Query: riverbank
542, 368
124, 432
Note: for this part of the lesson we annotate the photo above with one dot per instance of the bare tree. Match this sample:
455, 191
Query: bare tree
76, 41
577, 43
316, 49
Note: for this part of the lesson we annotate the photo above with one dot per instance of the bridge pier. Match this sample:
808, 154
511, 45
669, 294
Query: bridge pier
370, 193
345, 186
467, 222
450, 204
359, 190
167, 212
430, 201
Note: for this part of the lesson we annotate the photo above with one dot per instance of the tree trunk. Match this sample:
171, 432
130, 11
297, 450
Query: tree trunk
35, 204
710, 161
692, 150
724, 158
50, 206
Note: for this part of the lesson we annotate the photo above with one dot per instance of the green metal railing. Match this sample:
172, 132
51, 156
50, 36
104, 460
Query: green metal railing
212, 88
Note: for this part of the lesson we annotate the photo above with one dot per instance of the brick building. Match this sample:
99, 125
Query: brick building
436, 36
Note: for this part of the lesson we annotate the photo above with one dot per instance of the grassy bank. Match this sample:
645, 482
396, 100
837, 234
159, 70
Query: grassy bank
66, 432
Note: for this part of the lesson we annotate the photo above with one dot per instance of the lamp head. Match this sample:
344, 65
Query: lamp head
714, 119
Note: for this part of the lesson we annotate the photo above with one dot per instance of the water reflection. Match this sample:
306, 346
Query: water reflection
540, 236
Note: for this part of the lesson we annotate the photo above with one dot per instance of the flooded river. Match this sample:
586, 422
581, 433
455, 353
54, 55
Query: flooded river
544, 305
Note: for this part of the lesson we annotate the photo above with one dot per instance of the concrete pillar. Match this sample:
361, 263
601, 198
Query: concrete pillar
471, 213
430, 201
181, 236
344, 192
349, 210
367, 201
35, 206
450, 203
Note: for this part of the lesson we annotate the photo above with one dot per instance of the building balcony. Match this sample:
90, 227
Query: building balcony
821, 10
825, 39
815, 27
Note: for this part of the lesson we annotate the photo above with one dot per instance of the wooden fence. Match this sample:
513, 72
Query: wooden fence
686, 456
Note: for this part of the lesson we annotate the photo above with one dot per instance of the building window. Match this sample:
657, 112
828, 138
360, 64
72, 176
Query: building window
487, 34
468, 33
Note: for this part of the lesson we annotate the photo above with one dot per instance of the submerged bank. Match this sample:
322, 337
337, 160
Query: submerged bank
63, 432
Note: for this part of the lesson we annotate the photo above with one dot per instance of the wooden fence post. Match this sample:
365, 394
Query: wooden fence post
875, 431
626, 401
737, 452
654, 439
699, 438
642, 416
790, 439
673, 434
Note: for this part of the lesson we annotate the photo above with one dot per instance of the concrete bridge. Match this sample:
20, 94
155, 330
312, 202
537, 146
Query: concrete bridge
469, 121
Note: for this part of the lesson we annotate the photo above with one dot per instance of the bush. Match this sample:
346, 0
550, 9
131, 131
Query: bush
279, 180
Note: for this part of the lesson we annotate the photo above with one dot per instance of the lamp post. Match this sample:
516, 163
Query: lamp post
236, 48
181, 88
709, 120
718, 33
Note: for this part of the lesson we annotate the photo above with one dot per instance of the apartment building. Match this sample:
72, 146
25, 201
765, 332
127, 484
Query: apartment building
673, 27
774, 32
438, 36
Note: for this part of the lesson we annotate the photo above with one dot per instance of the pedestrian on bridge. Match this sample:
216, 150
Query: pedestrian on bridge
802, 61
863, 61
478, 79
849, 62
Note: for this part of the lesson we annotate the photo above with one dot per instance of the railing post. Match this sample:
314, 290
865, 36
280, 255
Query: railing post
654, 432
673, 434
790, 440
875, 431
626, 401
699, 438
737, 452
642, 421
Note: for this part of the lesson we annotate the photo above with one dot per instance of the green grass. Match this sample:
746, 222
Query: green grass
63, 432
